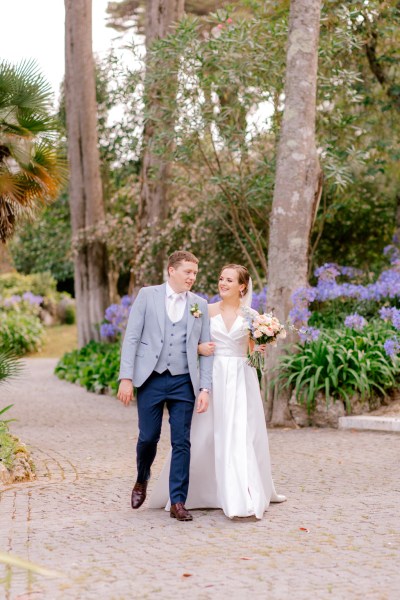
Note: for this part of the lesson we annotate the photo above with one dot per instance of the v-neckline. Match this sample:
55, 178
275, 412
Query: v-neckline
232, 326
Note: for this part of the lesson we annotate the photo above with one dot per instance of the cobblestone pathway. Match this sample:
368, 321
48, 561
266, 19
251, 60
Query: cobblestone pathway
343, 488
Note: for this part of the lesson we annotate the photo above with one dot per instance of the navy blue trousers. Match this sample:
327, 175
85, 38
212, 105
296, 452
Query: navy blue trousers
176, 391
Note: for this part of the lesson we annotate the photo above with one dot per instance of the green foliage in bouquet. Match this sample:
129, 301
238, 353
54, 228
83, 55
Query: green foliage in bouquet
95, 367
341, 363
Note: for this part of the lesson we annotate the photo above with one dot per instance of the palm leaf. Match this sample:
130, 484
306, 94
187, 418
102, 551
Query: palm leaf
9, 365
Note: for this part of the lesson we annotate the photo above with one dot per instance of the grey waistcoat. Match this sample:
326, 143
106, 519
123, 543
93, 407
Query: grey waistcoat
173, 354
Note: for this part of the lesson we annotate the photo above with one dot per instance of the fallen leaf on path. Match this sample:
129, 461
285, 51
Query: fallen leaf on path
245, 558
304, 529
187, 575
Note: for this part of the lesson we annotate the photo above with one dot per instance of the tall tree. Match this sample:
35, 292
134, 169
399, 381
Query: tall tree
298, 180
86, 196
153, 208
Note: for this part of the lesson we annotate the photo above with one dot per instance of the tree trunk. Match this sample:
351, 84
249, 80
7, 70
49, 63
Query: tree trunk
85, 188
153, 205
298, 183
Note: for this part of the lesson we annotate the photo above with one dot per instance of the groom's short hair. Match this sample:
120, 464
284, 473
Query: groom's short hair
179, 256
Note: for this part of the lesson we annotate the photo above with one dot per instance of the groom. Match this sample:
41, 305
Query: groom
159, 357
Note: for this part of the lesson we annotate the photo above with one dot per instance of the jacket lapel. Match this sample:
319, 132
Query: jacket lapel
159, 300
190, 318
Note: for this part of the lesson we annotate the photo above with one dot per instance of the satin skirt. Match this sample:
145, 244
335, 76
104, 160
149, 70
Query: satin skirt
230, 463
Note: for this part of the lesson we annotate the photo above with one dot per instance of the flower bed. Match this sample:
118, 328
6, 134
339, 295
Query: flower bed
345, 365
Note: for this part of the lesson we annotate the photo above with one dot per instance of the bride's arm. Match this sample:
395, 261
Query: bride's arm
206, 348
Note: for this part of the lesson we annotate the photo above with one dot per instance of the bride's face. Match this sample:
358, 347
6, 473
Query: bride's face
228, 284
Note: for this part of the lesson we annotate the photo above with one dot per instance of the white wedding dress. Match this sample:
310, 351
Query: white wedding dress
230, 464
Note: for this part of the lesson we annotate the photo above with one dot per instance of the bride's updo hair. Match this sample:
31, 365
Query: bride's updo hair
243, 275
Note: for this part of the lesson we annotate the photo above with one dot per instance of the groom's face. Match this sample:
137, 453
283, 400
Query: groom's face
183, 276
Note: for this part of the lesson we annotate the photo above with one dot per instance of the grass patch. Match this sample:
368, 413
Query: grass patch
58, 340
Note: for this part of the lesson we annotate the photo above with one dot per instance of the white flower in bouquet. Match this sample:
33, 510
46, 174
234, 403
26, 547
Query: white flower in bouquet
263, 329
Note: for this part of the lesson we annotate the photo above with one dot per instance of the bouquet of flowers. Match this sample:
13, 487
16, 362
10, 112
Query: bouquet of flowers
264, 329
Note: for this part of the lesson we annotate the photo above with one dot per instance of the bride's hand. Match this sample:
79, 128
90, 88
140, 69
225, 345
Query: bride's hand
206, 348
260, 348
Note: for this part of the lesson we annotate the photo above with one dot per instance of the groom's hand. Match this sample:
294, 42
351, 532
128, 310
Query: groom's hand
125, 391
202, 402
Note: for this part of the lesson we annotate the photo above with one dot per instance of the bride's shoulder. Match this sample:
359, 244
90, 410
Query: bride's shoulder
213, 309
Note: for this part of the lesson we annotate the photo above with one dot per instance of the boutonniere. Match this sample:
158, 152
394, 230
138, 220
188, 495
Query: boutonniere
195, 311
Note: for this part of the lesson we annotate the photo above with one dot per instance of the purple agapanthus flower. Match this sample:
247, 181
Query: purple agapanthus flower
126, 301
309, 334
34, 300
355, 321
396, 318
392, 347
328, 272
390, 313
393, 253
108, 331
351, 272
13, 300
116, 318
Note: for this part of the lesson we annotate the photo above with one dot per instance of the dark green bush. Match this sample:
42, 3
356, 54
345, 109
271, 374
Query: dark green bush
95, 367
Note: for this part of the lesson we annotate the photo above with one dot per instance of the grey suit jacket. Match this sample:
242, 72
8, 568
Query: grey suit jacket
145, 333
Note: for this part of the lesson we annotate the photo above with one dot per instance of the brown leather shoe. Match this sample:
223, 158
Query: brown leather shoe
138, 494
179, 512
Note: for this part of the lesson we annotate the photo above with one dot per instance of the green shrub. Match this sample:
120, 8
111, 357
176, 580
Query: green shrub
20, 332
69, 314
95, 367
341, 363
8, 446
42, 284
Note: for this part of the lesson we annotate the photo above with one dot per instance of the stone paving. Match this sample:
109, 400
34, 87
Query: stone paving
337, 536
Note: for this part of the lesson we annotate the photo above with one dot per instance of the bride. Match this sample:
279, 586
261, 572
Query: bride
230, 464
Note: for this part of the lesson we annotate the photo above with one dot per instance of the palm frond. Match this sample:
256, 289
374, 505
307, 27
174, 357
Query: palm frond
10, 366
31, 169
23, 86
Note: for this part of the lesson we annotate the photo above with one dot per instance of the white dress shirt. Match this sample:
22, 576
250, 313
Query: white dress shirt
174, 303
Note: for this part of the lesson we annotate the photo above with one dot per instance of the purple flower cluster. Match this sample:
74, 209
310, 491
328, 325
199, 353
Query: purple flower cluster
392, 347
386, 287
309, 334
390, 313
29, 297
32, 298
355, 321
116, 318
393, 253
12, 300
328, 272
